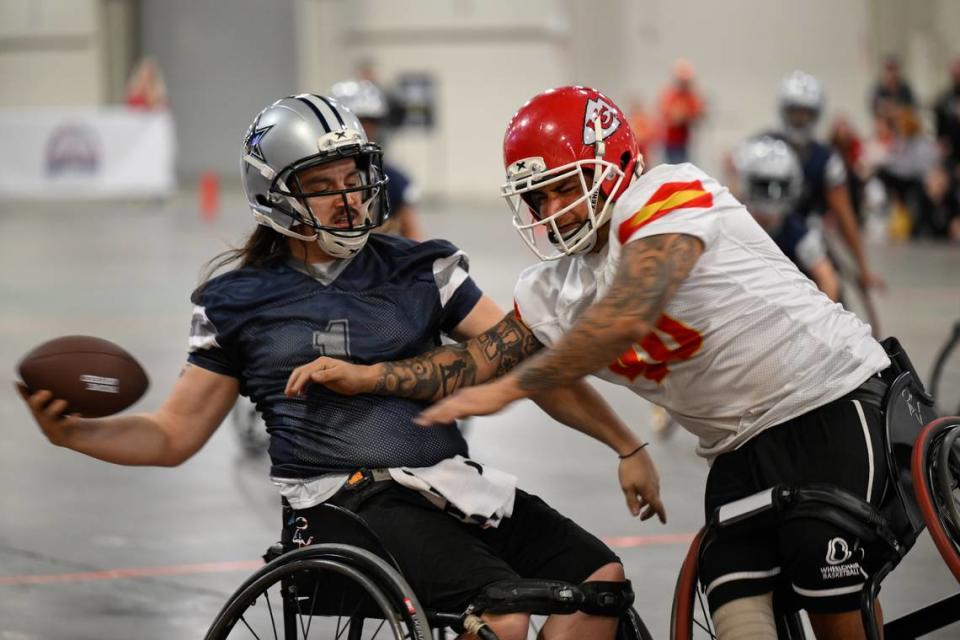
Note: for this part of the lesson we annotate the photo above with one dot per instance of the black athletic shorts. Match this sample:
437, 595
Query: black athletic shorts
447, 562
818, 564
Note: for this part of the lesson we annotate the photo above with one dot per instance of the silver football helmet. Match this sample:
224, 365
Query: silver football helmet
800, 92
771, 179
303, 131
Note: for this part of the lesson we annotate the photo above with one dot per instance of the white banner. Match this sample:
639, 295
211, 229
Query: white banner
86, 153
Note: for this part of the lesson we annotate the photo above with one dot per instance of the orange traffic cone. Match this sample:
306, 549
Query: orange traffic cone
209, 192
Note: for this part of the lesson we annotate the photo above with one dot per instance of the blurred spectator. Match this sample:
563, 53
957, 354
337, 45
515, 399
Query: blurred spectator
369, 103
938, 211
681, 108
146, 88
947, 111
891, 91
644, 128
913, 154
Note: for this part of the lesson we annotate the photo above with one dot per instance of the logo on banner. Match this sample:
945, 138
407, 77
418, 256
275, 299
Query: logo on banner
73, 149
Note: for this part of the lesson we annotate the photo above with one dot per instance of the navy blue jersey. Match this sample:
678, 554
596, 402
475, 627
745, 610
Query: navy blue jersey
823, 169
398, 188
801, 243
393, 300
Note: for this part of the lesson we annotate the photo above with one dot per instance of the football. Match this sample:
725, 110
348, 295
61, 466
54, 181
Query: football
95, 376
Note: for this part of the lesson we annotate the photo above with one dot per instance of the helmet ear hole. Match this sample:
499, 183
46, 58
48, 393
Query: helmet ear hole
262, 200
625, 160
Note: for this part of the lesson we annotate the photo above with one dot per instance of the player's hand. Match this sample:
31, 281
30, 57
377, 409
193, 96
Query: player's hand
641, 486
481, 400
871, 280
48, 412
338, 376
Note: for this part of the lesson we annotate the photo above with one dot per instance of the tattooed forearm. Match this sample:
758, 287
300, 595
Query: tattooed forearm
440, 372
650, 271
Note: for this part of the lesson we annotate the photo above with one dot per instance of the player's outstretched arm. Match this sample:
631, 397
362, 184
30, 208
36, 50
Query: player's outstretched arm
196, 406
580, 407
492, 348
651, 269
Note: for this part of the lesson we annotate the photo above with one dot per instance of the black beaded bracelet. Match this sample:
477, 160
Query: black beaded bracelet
627, 455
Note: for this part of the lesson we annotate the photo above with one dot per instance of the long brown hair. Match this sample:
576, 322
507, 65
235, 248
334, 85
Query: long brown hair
264, 247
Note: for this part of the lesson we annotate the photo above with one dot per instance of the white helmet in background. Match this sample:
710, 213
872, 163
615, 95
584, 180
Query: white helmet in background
771, 179
303, 131
801, 102
364, 98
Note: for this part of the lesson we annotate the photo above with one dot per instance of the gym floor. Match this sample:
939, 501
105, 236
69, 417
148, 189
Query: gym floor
90, 550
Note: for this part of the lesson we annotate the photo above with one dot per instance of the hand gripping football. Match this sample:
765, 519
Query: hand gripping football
96, 377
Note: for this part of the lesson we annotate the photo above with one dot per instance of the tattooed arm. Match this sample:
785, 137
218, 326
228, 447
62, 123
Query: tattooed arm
435, 374
651, 269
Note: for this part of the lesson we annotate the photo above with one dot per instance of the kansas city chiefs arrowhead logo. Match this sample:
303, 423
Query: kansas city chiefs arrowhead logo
609, 122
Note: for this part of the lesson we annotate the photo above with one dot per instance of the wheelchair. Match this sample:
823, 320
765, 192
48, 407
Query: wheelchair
923, 454
347, 585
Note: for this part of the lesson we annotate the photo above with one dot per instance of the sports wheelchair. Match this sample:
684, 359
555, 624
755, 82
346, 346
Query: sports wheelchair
923, 454
347, 585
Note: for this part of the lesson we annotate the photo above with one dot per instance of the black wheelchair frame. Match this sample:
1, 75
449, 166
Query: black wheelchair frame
350, 575
923, 454
939, 364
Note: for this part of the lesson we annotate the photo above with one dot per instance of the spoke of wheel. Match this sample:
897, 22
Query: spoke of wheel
707, 624
296, 598
313, 600
377, 630
273, 623
252, 632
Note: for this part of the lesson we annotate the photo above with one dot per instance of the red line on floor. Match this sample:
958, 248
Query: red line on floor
250, 565
136, 572
643, 541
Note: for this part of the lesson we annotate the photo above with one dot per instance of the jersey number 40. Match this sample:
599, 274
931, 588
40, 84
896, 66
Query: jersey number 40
649, 358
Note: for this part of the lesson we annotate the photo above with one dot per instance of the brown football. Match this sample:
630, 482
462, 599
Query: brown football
96, 377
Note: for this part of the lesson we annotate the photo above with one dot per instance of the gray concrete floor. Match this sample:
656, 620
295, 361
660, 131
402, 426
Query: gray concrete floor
190, 535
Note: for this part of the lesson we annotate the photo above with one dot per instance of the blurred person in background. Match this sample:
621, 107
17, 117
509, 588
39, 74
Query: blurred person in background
891, 91
681, 108
770, 187
845, 141
146, 88
938, 212
371, 105
912, 155
801, 103
644, 126
947, 113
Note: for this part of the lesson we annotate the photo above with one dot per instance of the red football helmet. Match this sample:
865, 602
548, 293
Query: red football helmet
561, 133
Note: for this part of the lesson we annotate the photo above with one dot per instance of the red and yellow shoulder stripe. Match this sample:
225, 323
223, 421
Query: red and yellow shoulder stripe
669, 197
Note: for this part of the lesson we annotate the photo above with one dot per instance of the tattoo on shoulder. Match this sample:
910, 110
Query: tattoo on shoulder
650, 272
184, 370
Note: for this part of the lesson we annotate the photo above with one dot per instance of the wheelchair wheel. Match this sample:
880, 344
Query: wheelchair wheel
945, 379
936, 478
690, 617
631, 627
324, 591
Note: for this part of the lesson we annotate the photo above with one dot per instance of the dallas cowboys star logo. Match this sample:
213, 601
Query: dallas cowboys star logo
253, 142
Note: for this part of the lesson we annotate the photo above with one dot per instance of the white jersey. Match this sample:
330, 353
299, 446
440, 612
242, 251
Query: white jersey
745, 343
